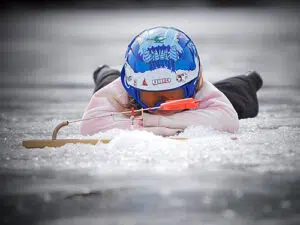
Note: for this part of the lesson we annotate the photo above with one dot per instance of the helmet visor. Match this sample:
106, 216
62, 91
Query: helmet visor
152, 98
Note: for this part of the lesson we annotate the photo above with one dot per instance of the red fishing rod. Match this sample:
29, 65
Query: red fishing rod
170, 105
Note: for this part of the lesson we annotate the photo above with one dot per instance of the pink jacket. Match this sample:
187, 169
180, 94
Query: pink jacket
214, 111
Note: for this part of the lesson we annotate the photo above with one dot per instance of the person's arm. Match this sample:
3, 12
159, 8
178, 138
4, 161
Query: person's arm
110, 99
214, 111
162, 131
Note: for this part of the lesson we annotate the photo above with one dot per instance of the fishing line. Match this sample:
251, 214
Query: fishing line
171, 105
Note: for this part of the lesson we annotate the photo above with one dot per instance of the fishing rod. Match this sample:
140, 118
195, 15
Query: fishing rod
170, 105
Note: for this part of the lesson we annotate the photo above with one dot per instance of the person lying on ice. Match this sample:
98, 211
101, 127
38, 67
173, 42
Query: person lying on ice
162, 64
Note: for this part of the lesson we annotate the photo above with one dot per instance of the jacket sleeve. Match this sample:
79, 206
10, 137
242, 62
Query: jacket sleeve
105, 102
214, 111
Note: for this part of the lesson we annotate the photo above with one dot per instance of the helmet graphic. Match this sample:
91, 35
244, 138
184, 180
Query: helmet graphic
160, 59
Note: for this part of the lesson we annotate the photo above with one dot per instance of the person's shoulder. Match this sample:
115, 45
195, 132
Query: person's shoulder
207, 84
114, 92
114, 85
114, 88
207, 89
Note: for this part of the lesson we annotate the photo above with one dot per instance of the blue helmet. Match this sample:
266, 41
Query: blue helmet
160, 59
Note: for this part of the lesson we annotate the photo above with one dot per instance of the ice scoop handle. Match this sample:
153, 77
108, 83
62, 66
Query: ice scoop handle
57, 128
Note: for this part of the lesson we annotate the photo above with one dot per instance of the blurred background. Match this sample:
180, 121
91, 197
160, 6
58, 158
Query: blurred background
69, 37
94, 4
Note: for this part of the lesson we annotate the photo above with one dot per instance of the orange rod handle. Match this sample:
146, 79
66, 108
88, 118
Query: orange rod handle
180, 104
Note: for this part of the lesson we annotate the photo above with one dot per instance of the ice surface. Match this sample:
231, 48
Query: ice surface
263, 144
250, 177
267, 143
